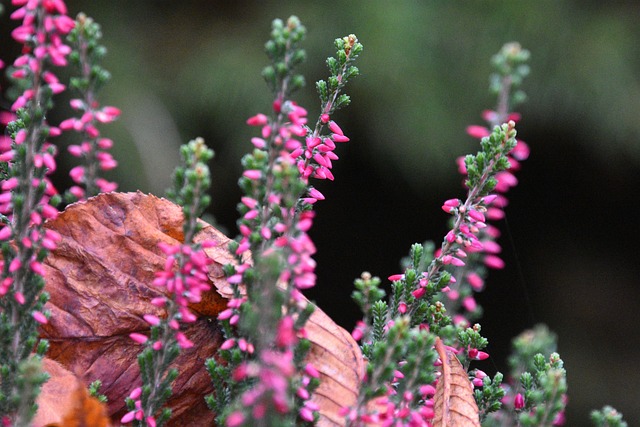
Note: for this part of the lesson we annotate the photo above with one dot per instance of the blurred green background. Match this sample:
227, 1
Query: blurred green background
183, 69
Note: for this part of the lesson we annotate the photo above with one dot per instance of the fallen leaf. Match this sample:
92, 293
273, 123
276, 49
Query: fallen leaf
56, 396
99, 281
85, 410
453, 403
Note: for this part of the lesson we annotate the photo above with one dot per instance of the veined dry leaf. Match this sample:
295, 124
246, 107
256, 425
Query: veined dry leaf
81, 409
453, 403
99, 280
57, 394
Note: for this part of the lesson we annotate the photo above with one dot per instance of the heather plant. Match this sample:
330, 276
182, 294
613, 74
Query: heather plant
185, 279
260, 376
263, 351
89, 78
27, 200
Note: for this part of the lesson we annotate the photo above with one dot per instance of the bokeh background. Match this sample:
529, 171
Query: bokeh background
191, 68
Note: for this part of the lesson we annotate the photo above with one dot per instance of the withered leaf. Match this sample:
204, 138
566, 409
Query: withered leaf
99, 280
453, 403
65, 394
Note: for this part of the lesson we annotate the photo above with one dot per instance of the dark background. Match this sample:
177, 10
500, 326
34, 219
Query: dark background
192, 68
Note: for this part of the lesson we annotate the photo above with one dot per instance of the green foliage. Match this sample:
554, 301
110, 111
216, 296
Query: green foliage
489, 396
511, 68
94, 390
527, 345
544, 391
348, 50
87, 55
607, 417
285, 54
191, 181
492, 159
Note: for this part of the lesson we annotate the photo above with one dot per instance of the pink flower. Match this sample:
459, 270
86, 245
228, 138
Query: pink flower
151, 319
253, 174
494, 262
257, 120
235, 419
333, 126
469, 303
139, 338
518, 401
478, 131
40, 318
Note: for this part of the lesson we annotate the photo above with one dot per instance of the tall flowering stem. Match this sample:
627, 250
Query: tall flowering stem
265, 381
397, 383
183, 280
27, 199
511, 67
94, 149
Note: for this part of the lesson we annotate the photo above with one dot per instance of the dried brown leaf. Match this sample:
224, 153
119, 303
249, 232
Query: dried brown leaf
99, 280
453, 403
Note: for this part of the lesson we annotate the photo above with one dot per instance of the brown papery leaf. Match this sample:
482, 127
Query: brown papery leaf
80, 409
56, 397
453, 403
99, 280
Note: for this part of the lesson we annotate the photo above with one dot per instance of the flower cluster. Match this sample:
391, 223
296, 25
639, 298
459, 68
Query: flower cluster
182, 281
28, 199
267, 316
418, 295
483, 254
86, 56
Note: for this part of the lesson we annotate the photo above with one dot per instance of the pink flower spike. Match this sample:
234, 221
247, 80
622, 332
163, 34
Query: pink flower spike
493, 261
151, 319
333, 126
19, 297
310, 370
475, 281
135, 393
128, 417
253, 174
489, 199
159, 301
475, 215
5, 232
259, 142
14, 265
518, 402
183, 341
75, 150
469, 303
139, 338
419, 293
306, 414
316, 194
37, 267
257, 120
40, 318
339, 138
478, 355
521, 150
235, 419
10, 184
228, 344
478, 131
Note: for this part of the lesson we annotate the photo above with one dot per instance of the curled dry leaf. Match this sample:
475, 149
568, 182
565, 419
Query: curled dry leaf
64, 401
99, 280
453, 403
